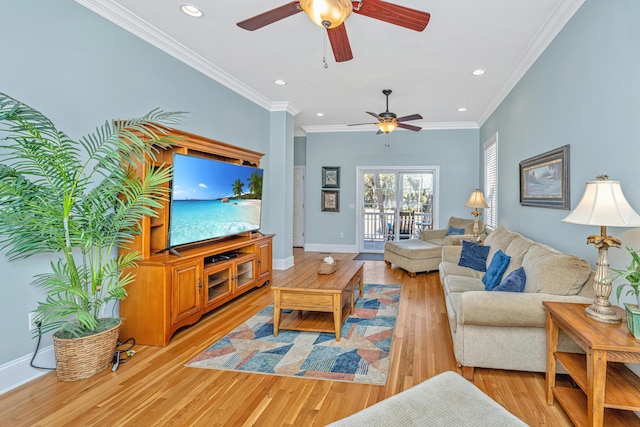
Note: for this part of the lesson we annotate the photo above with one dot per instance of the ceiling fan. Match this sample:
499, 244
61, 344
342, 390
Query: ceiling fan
330, 14
388, 121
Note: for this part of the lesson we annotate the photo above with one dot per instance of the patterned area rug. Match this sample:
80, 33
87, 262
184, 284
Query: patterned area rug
362, 354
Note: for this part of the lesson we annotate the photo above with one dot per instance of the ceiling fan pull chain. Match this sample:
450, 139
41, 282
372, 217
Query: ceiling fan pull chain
325, 36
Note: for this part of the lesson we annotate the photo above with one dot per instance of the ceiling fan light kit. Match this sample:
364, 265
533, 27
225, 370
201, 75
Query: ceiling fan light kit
327, 13
331, 14
387, 126
388, 121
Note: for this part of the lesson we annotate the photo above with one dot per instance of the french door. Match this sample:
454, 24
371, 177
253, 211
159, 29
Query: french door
395, 203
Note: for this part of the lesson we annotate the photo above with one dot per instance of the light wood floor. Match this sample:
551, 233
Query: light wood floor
155, 388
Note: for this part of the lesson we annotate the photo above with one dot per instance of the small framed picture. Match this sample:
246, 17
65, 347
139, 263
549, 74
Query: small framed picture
331, 177
330, 201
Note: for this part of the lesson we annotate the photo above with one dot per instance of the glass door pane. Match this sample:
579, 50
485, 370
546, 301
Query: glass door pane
417, 204
379, 209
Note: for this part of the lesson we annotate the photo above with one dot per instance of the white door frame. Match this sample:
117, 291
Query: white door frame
361, 170
299, 196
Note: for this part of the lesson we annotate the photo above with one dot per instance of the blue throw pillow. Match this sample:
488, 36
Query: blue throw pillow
474, 256
514, 282
496, 269
455, 231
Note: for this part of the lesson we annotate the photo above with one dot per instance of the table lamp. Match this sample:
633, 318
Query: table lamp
603, 204
476, 201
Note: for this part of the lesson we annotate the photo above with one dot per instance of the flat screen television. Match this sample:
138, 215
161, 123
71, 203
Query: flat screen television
211, 199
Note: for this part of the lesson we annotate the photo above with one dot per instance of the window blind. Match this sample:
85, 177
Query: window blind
491, 180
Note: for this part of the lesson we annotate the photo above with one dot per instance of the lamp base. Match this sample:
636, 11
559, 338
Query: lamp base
603, 313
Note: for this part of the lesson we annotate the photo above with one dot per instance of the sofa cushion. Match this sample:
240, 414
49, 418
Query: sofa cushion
496, 269
516, 249
553, 272
467, 224
499, 239
452, 269
514, 282
474, 256
462, 284
454, 231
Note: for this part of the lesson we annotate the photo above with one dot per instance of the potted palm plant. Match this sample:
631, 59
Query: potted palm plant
79, 201
631, 278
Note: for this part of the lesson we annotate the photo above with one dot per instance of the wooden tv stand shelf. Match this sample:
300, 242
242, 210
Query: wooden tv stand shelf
171, 291
608, 390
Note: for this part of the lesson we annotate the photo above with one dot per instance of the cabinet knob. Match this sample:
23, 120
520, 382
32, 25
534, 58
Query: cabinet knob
199, 283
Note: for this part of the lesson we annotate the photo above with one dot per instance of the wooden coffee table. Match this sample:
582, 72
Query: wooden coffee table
321, 302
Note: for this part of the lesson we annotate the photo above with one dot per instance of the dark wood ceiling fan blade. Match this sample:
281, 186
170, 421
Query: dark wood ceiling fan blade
373, 114
340, 43
409, 127
409, 118
270, 16
392, 13
360, 124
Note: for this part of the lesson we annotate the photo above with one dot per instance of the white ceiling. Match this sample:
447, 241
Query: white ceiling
429, 72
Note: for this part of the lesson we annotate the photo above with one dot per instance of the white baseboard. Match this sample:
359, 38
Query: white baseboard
17, 372
320, 247
283, 264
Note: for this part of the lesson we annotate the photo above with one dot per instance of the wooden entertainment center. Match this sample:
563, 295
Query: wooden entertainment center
170, 290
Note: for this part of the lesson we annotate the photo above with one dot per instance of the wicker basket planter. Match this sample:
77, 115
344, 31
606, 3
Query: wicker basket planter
326, 268
78, 358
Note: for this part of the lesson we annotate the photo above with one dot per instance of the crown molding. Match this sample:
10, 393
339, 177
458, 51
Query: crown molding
558, 19
373, 127
147, 32
285, 106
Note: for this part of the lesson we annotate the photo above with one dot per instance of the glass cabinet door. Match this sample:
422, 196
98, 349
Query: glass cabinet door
245, 274
219, 282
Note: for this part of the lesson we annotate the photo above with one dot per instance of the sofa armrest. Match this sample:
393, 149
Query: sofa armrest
508, 309
451, 253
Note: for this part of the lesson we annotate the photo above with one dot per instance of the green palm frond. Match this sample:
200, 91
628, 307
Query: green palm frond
77, 199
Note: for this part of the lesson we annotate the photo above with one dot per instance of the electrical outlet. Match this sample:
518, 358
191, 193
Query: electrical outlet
32, 321
341, 235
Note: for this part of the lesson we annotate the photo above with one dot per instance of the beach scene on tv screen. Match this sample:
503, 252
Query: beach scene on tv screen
213, 199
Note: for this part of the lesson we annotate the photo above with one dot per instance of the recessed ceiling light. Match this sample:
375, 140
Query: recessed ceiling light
478, 72
320, 114
462, 109
191, 10
280, 82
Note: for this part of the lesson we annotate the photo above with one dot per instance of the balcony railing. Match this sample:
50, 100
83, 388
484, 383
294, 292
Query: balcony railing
380, 226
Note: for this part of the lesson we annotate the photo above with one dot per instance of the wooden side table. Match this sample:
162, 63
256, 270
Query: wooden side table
608, 390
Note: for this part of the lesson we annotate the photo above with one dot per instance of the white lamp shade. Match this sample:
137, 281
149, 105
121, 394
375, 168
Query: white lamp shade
476, 200
604, 204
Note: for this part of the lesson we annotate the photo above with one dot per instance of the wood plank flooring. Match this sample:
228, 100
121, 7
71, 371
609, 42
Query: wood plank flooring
154, 387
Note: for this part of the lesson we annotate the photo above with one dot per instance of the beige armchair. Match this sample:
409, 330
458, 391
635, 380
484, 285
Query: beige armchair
440, 238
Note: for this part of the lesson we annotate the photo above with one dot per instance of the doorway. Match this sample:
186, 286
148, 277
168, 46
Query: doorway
395, 203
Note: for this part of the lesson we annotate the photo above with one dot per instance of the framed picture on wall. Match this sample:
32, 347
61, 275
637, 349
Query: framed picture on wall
330, 201
544, 180
331, 177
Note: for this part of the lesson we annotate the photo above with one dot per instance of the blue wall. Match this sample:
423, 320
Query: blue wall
79, 69
454, 151
584, 90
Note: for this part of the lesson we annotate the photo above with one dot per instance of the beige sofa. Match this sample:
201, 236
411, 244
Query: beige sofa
424, 254
506, 330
